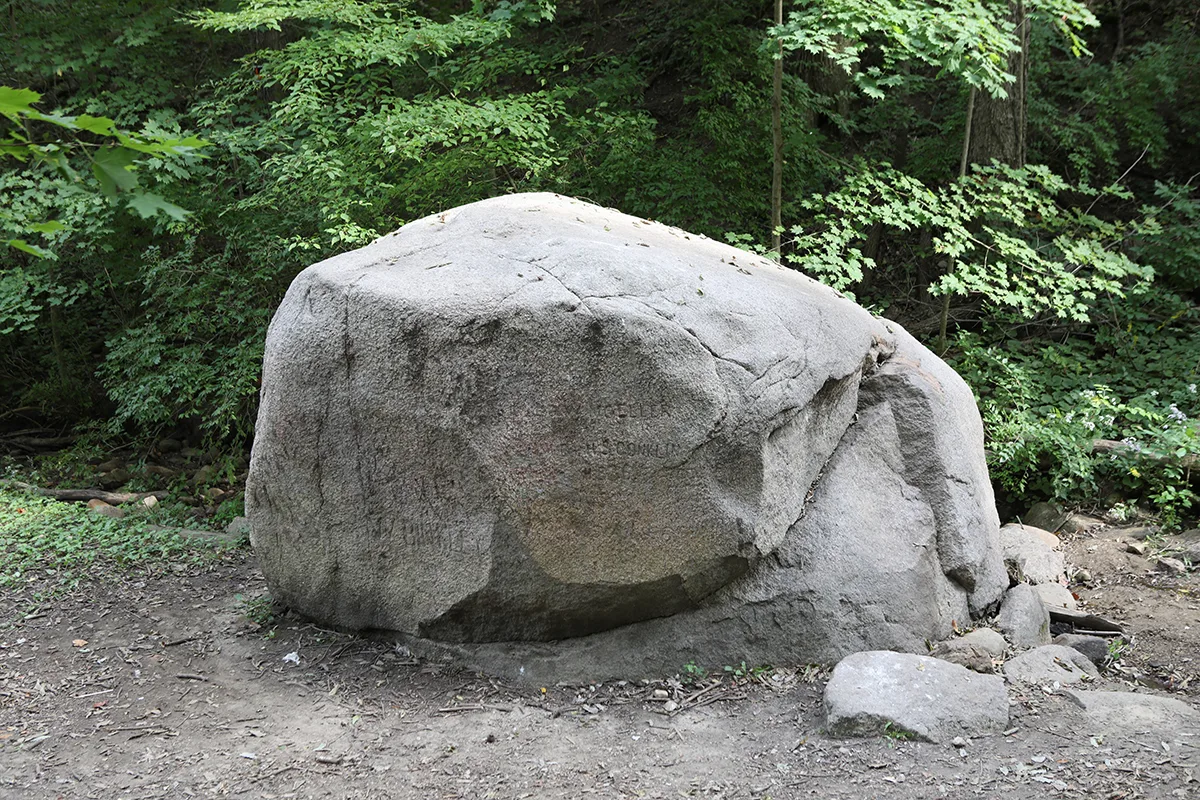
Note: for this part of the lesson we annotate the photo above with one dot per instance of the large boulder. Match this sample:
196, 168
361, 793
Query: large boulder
534, 420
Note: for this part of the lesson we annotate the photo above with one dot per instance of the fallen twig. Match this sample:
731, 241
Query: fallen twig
112, 498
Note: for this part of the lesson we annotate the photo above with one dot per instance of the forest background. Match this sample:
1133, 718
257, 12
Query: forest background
1015, 181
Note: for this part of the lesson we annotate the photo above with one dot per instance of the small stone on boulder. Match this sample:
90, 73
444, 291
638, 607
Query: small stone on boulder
1052, 664
1024, 618
875, 692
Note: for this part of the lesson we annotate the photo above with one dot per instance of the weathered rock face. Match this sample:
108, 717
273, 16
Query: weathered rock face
532, 419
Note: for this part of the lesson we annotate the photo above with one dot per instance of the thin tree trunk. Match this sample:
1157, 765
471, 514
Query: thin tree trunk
777, 136
999, 129
962, 172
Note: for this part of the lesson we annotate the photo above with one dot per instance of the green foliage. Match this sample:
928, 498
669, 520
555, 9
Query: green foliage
52, 147
1045, 404
52, 546
999, 233
260, 610
962, 38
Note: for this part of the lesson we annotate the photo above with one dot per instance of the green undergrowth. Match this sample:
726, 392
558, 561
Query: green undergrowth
1045, 403
48, 547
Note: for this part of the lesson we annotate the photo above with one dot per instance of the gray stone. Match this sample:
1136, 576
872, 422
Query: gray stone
1047, 516
103, 509
1055, 594
1052, 664
1080, 523
114, 479
532, 419
976, 650
1024, 618
238, 526
876, 692
1136, 715
1030, 555
1139, 532
991, 641
1094, 647
1171, 566
965, 654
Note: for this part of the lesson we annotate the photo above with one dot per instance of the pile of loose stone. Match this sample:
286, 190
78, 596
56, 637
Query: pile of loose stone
961, 690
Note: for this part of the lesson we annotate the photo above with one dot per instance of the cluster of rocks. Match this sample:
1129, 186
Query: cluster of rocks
962, 688
169, 459
1169, 553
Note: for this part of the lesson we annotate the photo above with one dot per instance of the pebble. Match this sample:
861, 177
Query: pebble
958, 742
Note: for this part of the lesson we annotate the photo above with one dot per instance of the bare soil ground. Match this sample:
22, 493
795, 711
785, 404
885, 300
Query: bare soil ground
161, 686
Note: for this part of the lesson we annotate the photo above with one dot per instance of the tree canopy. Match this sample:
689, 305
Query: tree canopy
1014, 180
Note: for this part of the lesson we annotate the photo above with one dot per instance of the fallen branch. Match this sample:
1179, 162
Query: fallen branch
112, 498
1110, 446
1097, 626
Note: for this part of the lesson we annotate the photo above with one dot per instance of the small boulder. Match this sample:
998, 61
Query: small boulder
110, 465
203, 475
1029, 554
1050, 665
239, 527
1171, 566
1056, 595
1079, 523
169, 445
114, 479
989, 640
1139, 532
873, 692
1047, 516
1135, 714
1024, 618
965, 654
1094, 647
975, 650
105, 510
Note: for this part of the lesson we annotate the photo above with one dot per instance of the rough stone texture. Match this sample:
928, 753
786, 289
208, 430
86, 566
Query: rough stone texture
934, 700
991, 641
1055, 594
1047, 516
1094, 647
1030, 556
975, 650
965, 654
532, 419
1024, 618
1138, 715
1049, 665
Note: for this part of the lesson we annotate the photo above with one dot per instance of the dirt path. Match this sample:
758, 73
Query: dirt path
161, 687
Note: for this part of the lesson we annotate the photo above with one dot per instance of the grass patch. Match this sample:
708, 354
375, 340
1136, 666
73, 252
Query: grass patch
48, 546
